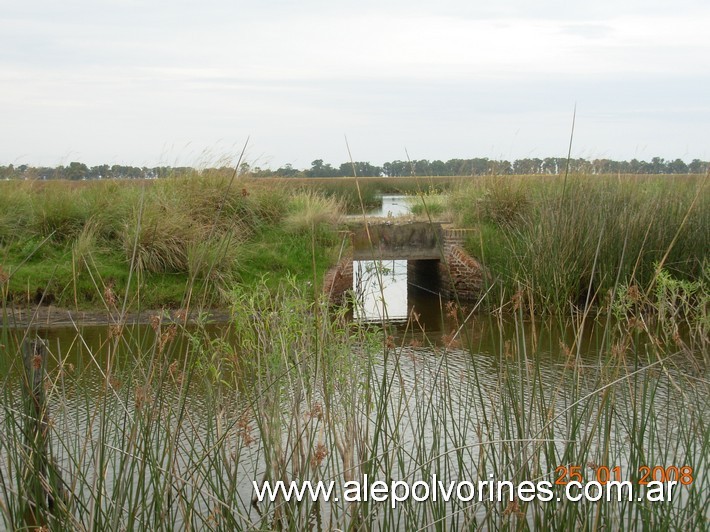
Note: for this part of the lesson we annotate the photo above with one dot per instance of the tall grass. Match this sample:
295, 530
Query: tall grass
345, 189
71, 237
312, 211
558, 249
427, 203
167, 428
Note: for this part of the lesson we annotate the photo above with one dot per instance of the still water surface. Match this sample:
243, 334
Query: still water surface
418, 367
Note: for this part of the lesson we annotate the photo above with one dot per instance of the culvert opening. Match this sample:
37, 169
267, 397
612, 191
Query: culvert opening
392, 289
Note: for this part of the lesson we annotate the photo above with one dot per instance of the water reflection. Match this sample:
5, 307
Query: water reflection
455, 388
381, 290
385, 291
393, 205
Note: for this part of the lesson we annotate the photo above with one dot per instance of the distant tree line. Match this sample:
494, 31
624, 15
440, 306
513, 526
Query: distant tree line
80, 171
485, 166
421, 167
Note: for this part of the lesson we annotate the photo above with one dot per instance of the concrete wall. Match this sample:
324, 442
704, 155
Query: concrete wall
397, 241
457, 275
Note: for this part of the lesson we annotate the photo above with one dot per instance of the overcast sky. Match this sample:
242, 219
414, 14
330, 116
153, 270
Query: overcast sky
186, 82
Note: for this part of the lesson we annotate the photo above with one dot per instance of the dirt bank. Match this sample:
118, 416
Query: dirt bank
51, 316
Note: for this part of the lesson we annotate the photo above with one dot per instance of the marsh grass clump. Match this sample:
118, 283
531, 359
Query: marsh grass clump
429, 203
160, 238
15, 210
310, 211
505, 206
85, 245
59, 212
267, 201
192, 226
569, 242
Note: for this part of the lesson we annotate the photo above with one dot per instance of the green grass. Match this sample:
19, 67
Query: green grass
165, 429
427, 204
558, 243
277, 254
345, 189
68, 241
548, 242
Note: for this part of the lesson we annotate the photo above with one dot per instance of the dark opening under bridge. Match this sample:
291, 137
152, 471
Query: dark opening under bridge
433, 250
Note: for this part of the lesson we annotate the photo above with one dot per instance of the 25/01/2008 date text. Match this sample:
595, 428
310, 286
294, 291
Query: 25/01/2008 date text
603, 474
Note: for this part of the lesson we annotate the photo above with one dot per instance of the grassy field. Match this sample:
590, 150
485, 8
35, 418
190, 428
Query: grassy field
165, 427
549, 242
68, 244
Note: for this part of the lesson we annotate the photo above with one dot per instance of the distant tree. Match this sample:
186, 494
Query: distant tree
527, 166
363, 169
346, 170
287, 171
697, 166
421, 167
480, 166
438, 168
501, 167
102, 171
244, 169
117, 171
457, 167
257, 171
658, 166
396, 169
677, 167
75, 171
549, 166
320, 169
7, 172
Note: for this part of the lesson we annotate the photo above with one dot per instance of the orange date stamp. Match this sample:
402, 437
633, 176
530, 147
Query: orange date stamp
565, 474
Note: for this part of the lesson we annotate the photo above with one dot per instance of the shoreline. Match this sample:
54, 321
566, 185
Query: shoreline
47, 317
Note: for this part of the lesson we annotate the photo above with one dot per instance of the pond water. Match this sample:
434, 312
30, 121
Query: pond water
465, 395
466, 386
392, 205
437, 382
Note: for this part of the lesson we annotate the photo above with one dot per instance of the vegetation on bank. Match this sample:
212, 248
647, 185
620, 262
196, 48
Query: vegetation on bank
557, 243
156, 243
550, 243
165, 427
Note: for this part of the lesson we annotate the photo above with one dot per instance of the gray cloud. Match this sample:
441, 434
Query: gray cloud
137, 82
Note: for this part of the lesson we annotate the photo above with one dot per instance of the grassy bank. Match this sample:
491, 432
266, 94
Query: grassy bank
168, 427
553, 243
370, 188
156, 242
550, 243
